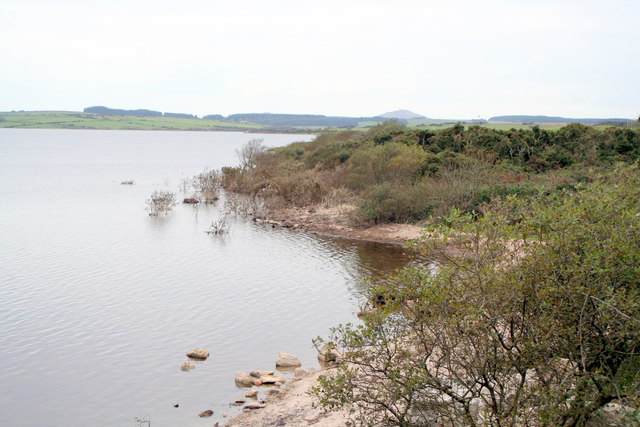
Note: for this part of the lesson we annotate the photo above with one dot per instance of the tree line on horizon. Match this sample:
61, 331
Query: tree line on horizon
318, 120
267, 119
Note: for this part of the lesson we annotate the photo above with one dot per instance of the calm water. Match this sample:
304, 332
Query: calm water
99, 302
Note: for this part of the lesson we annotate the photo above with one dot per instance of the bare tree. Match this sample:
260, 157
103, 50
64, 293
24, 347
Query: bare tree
207, 185
249, 153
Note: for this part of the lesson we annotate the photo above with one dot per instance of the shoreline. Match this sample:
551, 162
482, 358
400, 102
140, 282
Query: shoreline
291, 406
335, 221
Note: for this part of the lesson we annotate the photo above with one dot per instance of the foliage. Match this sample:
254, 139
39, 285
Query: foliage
398, 174
531, 317
392, 203
161, 202
392, 162
207, 185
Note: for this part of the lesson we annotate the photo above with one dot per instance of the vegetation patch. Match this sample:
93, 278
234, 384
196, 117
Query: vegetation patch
399, 174
532, 317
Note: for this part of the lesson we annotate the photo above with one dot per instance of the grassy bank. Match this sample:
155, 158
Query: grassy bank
75, 120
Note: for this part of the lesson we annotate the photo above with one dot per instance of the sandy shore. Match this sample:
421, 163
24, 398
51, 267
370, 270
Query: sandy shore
291, 407
336, 221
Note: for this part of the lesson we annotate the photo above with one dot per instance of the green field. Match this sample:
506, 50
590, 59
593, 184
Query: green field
75, 120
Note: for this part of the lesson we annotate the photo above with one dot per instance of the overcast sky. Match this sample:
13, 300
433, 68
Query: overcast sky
442, 59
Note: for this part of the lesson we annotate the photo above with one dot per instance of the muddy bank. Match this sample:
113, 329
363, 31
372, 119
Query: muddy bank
336, 221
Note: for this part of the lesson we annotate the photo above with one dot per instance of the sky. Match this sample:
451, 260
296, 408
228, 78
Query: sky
459, 59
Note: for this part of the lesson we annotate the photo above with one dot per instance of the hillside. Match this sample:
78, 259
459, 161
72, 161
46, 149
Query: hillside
402, 114
292, 120
77, 120
553, 119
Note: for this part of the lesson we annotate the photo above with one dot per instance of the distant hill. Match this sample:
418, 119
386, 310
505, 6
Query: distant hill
551, 119
402, 114
139, 113
289, 120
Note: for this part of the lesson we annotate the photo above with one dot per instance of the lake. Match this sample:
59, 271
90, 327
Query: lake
99, 302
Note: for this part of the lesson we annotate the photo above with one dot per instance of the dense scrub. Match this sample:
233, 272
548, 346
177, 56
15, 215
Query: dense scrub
531, 318
397, 174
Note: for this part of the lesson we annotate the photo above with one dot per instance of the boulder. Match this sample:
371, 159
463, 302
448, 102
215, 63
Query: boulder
187, 366
258, 374
244, 380
206, 414
271, 379
329, 353
301, 373
254, 406
252, 394
191, 200
198, 354
286, 360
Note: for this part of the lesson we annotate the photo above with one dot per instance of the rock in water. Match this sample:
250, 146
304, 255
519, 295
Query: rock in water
258, 374
271, 379
255, 406
206, 414
253, 394
187, 366
198, 354
286, 360
244, 380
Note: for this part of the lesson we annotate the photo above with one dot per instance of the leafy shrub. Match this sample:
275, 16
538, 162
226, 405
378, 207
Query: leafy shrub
388, 203
392, 162
532, 317
297, 187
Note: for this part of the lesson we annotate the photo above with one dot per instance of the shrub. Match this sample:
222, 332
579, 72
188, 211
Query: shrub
161, 202
392, 162
207, 185
388, 203
532, 317
297, 187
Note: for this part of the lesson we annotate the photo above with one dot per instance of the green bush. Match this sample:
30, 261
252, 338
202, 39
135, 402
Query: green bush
388, 203
532, 317
392, 162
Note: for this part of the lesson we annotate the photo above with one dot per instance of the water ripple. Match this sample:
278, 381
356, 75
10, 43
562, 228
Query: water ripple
99, 302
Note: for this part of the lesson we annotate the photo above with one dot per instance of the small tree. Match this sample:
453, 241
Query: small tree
207, 185
249, 153
161, 202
